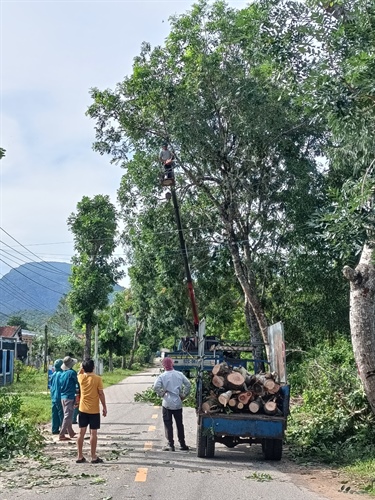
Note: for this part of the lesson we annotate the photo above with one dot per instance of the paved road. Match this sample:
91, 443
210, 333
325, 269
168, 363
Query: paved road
131, 441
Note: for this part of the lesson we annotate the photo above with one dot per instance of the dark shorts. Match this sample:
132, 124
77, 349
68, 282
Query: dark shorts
89, 419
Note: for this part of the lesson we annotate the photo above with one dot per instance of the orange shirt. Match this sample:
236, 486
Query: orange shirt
89, 384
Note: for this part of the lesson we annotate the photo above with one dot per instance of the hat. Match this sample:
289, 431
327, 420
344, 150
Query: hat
68, 363
167, 363
57, 365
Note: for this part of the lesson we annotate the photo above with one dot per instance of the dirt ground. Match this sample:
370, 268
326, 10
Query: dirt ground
322, 479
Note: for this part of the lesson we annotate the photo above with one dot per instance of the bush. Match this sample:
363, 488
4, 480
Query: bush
17, 435
335, 421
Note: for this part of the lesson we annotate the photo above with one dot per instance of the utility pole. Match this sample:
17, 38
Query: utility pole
96, 358
45, 348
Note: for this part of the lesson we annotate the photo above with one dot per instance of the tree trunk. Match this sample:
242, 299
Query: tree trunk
248, 287
362, 319
87, 349
255, 333
137, 334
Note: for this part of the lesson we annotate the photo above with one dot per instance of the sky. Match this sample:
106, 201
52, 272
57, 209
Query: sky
51, 54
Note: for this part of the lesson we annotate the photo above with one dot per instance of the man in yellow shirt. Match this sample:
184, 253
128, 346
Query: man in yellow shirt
91, 392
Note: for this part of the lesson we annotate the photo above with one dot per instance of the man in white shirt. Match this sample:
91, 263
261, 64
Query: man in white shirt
173, 387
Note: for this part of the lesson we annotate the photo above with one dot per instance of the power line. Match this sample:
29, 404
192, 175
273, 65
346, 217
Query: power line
32, 253
21, 294
33, 265
28, 277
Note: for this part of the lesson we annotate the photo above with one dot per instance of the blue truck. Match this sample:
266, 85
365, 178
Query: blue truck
231, 428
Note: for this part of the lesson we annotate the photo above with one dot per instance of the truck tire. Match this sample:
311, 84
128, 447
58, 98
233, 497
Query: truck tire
272, 449
201, 443
210, 448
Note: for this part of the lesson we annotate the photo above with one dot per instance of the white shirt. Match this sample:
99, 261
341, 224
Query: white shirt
171, 385
165, 155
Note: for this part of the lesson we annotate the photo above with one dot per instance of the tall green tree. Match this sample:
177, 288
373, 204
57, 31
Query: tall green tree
325, 55
244, 152
94, 270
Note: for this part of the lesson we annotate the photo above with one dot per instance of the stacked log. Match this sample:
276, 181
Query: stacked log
236, 390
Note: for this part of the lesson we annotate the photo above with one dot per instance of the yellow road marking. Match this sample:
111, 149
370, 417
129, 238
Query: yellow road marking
141, 475
154, 416
151, 428
147, 446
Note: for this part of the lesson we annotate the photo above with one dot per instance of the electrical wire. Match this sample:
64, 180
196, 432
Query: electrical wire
33, 265
32, 253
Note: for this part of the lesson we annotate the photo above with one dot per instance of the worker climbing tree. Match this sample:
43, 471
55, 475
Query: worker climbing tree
166, 157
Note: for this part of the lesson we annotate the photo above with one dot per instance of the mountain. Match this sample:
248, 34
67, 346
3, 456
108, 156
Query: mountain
36, 286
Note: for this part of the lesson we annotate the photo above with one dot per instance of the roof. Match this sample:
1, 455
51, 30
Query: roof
9, 331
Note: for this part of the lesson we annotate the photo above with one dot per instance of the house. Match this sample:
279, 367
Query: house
15, 339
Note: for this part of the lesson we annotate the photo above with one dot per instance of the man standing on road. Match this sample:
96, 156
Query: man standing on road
91, 392
68, 382
57, 410
173, 386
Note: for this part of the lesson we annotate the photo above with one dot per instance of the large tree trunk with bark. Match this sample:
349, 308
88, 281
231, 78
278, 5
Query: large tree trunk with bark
248, 287
362, 319
255, 333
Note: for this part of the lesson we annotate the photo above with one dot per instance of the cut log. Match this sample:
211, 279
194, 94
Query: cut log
246, 375
210, 405
234, 380
269, 385
218, 381
225, 398
232, 403
255, 405
240, 406
270, 408
245, 397
220, 369
275, 389
258, 388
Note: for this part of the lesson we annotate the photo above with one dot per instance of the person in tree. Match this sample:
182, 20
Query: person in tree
166, 157
173, 387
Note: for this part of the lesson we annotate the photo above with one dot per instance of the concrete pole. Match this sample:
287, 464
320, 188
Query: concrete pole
96, 360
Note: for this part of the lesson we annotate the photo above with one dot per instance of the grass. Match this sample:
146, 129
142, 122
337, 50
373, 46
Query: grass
36, 401
363, 471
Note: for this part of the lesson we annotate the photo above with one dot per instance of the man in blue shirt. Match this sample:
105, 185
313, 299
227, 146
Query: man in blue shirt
68, 383
55, 391
173, 386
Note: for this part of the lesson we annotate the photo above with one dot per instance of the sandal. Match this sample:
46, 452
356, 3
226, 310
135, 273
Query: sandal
97, 461
81, 460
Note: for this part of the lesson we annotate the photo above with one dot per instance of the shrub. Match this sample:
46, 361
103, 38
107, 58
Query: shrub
17, 435
335, 421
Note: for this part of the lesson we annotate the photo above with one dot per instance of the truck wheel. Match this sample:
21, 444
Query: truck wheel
201, 443
210, 449
272, 449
